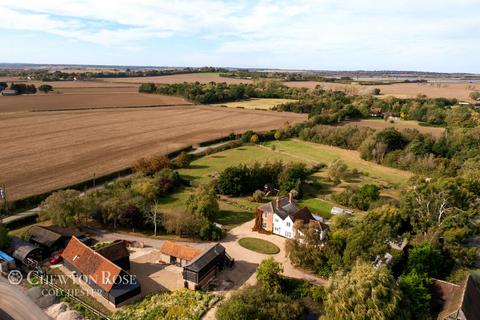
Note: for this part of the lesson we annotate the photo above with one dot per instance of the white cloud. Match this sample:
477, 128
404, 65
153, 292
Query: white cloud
279, 29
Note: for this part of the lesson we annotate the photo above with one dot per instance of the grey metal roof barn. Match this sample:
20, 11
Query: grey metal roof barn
23, 250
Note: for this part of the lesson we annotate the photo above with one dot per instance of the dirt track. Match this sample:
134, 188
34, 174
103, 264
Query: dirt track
46, 150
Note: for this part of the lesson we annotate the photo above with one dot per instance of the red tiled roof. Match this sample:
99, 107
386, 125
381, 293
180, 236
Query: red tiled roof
98, 268
181, 251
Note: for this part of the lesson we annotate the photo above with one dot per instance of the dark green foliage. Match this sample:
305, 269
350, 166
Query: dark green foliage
45, 88
147, 88
3, 237
359, 198
23, 88
244, 180
416, 295
425, 259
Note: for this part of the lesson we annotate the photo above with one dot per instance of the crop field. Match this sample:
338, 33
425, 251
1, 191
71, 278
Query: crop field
264, 104
379, 124
86, 100
179, 78
400, 90
42, 151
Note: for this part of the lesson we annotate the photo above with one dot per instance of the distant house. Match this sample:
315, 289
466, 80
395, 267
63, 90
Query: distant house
117, 252
206, 265
463, 103
9, 92
177, 253
25, 252
111, 281
279, 216
458, 302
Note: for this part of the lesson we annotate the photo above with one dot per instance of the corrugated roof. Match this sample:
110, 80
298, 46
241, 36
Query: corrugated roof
181, 251
92, 264
43, 236
21, 248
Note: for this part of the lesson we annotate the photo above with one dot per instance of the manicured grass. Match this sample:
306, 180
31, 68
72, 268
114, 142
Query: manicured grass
259, 245
264, 104
328, 154
318, 206
233, 217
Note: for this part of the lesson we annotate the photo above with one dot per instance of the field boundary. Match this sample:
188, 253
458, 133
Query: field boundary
113, 108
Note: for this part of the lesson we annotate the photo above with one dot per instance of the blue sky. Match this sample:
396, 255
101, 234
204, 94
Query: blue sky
427, 35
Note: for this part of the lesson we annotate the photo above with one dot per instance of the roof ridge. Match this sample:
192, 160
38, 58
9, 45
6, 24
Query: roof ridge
96, 253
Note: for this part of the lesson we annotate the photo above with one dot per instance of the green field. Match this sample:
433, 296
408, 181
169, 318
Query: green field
327, 154
259, 245
263, 104
235, 211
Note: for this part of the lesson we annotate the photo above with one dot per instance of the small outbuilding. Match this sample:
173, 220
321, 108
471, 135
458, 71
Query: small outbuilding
203, 269
50, 241
25, 252
178, 254
117, 252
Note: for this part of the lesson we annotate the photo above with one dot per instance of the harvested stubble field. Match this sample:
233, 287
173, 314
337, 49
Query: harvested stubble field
400, 90
42, 151
179, 78
380, 124
85, 99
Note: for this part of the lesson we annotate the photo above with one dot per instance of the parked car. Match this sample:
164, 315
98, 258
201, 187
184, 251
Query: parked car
56, 258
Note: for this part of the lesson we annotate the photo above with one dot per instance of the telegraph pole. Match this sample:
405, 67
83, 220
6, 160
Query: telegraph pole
3, 197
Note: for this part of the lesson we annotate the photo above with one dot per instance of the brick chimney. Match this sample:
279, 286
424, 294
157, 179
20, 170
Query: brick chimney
277, 202
290, 197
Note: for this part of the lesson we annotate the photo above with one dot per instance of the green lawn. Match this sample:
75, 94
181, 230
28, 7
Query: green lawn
231, 216
318, 206
259, 245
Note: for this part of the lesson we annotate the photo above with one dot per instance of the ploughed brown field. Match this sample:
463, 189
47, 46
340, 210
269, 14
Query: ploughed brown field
86, 100
180, 78
401, 90
42, 151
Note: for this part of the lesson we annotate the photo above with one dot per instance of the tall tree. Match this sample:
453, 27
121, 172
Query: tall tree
268, 275
64, 208
363, 293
